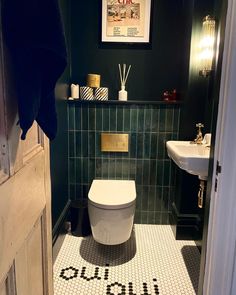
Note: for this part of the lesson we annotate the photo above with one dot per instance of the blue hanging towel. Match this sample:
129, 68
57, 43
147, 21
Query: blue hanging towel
34, 34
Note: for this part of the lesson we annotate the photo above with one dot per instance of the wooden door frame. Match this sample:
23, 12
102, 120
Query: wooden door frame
220, 265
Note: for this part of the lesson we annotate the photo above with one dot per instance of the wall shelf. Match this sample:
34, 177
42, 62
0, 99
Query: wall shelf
128, 102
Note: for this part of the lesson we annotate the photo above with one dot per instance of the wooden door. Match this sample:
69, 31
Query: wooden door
25, 212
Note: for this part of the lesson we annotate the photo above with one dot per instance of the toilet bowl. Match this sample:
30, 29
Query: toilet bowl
111, 206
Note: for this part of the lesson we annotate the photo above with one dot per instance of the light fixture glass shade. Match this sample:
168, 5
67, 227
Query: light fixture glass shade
207, 45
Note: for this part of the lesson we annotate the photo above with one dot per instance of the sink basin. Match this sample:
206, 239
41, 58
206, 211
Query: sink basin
192, 158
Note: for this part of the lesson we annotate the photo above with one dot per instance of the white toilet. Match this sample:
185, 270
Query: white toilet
111, 206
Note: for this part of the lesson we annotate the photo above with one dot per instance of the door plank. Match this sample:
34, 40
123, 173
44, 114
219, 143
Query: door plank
3, 289
22, 201
28, 264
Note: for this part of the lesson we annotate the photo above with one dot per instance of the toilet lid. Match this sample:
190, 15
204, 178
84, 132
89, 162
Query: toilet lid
112, 194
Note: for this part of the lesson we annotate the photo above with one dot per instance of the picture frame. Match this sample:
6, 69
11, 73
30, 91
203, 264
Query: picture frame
126, 21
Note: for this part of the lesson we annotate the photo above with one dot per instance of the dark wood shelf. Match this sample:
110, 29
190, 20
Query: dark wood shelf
129, 102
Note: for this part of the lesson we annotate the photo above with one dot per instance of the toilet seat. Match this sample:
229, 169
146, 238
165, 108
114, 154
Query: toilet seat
112, 194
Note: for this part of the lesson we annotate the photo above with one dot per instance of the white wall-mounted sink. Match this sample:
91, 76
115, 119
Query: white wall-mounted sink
193, 158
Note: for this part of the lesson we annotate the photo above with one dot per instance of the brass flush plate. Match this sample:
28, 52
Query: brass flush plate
114, 142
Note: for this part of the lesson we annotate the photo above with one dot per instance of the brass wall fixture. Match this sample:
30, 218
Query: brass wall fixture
114, 142
207, 46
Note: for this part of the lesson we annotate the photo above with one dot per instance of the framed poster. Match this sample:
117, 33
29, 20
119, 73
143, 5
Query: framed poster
126, 21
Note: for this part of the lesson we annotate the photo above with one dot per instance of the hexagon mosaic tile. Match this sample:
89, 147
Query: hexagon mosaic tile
152, 262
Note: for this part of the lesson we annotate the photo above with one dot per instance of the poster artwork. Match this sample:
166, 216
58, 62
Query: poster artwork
125, 18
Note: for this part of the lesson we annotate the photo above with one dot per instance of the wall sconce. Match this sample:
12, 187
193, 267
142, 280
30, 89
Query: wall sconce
207, 46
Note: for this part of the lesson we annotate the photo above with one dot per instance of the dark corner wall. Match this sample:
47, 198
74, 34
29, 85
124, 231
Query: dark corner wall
59, 147
197, 101
160, 66
199, 105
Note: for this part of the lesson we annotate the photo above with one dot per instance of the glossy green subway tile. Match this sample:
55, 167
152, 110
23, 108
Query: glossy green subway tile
153, 171
78, 169
145, 198
78, 143
176, 120
85, 117
84, 143
162, 120
112, 168
155, 119
134, 117
137, 217
158, 200
71, 135
160, 172
161, 145
71, 118
147, 120
151, 217
98, 144
146, 172
151, 198
133, 145
126, 119
139, 172
91, 170
165, 218
85, 171
140, 145
157, 217
144, 162
132, 169
167, 137
99, 119
78, 118
91, 119
105, 119
85, 190
139, 193
91, 144
169, 120
112, 119
144, 217
120, 119
141, 120
125, 169
153, 146
119, 168
98, 168
147, 146
105, 171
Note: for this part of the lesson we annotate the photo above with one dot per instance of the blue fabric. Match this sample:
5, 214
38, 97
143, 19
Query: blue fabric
34, 34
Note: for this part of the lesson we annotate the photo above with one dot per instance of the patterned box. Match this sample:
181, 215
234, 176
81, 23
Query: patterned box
101, 93
86, 93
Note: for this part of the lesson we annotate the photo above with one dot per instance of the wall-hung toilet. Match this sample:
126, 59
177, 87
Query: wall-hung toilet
111, 206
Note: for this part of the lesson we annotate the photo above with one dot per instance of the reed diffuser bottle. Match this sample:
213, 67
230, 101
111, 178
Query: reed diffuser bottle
123, 95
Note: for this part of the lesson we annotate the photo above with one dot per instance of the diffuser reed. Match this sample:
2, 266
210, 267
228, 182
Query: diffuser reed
123, 78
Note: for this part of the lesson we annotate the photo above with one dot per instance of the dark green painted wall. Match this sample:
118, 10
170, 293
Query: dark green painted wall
161, 66
197, 101
149, 127
58, 147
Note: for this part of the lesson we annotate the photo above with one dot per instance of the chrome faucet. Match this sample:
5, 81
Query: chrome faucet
199, 137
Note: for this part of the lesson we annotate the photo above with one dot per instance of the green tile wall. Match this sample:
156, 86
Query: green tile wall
149, 127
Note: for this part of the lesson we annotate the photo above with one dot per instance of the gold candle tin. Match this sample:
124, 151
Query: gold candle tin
93, 80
